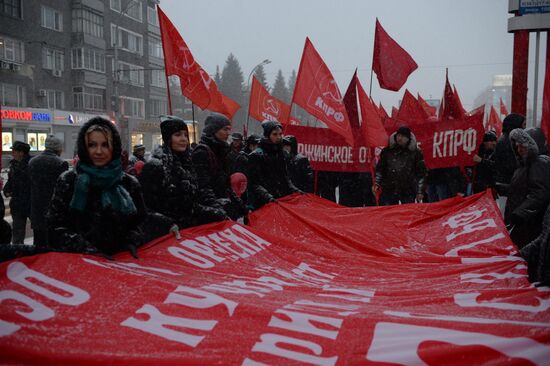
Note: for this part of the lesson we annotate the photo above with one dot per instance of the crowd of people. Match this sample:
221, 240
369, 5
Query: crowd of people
109, 202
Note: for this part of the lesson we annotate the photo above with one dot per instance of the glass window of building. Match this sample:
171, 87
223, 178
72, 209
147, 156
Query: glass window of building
7, 141
127, 40
52, 19
158, 78
158, 107
137, 139
132, 107
116, 5
55, 99
53, 59
152, 16
11, 50
130, 8
88, 58
88, 98
130, 74
157, 140
88, 21
12, 95
155, 47
11, 8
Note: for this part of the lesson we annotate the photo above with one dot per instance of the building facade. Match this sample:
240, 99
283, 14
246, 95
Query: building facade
63, 62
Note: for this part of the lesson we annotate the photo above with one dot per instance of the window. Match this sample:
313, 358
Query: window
11, 50
89, 59
37, 140
127, 40
130, 74
155, 48
88, 22
132, 107
52, 19
158, 78
158, 107
137, 139
12, 95
157, 140
7, 141
88, 98
152, 16
11, 8
55, 99
130, 8
53, 59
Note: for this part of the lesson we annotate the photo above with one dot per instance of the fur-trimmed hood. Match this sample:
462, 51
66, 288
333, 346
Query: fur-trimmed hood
521, 137
81, 144
412, 142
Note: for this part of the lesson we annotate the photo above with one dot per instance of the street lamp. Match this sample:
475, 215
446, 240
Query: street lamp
264, 62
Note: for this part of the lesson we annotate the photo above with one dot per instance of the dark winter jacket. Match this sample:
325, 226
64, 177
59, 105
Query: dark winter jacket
484, 175
213, 175
97, 227
505, 159
299, 168
18, 187
355, 189
44, 170
170, 188
537, 254
268, 178
401, 169
528, 193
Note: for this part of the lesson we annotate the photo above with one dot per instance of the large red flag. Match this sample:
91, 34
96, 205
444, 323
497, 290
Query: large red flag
476, 115
382, 112
196, 84
371, 124
316, 91
494, 123
264, 106
350, 101
391, 63
503, 109
430, 110
410, 110
545, 118
451, 107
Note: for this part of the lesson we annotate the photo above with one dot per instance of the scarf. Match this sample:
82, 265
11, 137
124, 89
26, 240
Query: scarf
107, 179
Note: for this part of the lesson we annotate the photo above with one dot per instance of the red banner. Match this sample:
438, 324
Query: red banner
307, 283
328, 151
445, 144
265, 107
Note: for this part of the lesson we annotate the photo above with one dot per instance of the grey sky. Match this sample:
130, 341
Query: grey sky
468, 36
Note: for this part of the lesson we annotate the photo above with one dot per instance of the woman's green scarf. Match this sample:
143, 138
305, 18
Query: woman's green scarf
107, 179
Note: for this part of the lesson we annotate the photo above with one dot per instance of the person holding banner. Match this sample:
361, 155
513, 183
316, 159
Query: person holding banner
484, 173
268, 172
96, 207
401, 171
299, 168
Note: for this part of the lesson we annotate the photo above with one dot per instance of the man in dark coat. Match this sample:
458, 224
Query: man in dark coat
18, 188
241, 162
529, 189
505, 159
355, 189
212, 166
484, 173
44, 170
269, 178
401, 171
299, 168
234, 149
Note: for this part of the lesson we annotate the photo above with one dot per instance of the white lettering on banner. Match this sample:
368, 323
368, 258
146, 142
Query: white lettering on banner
493, 276
385, 343
328, 110
470, 300
470, 228
307, 305
38, 311
161, 325
304, 323
206, 251
20, 274
327, 153
452, 140
363, 154
454, 252
132, 268
464, 319
496, 259
272, 344
249, 362
348, 294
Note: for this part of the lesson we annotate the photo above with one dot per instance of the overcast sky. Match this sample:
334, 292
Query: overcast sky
467, 36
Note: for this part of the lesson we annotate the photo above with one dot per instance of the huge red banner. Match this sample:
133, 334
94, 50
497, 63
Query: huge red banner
328, 151
308, 283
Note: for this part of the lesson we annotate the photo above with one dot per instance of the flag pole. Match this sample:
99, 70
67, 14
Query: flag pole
165, 68
194, 124
370, 87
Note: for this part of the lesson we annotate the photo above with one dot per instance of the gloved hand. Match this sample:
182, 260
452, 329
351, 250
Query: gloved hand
133, 250
174, 229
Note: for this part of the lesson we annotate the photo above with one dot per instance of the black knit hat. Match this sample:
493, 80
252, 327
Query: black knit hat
405, 131
214, 123
489, 136
269, 126
21, 146
169, 125
512, 121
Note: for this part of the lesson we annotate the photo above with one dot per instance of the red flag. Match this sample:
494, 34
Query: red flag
196, 84
494, 123
457, 99
382, 112
316, 91
264, 106
410, 110
430, 110
476, 115
352, 108
391, 63
545, 118
394, 112
450, 107
371, 124
503, 110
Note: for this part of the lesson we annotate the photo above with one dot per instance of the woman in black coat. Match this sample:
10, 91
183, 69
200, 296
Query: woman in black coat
96, 207
170, 184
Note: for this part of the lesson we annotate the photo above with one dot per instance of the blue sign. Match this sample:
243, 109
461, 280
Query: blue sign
534, 6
